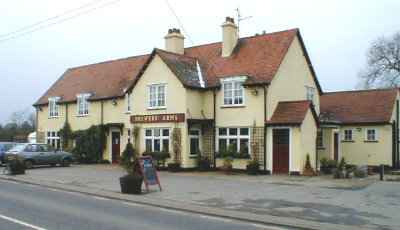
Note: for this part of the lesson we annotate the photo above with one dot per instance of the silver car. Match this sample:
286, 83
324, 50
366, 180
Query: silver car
40, 154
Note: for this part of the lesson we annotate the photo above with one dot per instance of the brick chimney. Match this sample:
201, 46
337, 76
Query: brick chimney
229, 36
174, 41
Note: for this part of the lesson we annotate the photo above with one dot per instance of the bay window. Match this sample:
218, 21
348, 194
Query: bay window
157, 139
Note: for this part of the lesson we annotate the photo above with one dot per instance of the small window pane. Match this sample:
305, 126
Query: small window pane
222, 145
222, 131
233, 144
244, 131
244, 146
194, 145
233, 131
157, 145
165, 147
156, 132
148, 146
165, 132
148, 132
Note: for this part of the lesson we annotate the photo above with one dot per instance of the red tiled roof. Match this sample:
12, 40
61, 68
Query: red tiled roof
291, 113
257, 57
103, 80
358, 107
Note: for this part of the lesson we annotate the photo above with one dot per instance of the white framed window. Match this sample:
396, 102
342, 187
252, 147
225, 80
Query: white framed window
53, 107
310, 93
83, 104
239, 138
53, 139
128, 102
233, 92
157, 96
194, 138
320, 139
348, 135
157, 139
371, 135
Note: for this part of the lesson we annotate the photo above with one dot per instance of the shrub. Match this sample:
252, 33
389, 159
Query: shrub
129, 160
340, 170
89, 144
360, 173
253, 167
308, 169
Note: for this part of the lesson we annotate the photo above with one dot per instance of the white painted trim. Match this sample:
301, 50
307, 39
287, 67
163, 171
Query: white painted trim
344, 135
224, 81
234, 78
149, 107
201, 79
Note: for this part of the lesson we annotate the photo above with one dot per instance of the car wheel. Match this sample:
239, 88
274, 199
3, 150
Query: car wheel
53, 165
66, 163
28, 164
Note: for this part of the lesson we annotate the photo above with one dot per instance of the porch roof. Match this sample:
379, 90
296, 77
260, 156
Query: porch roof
291, 113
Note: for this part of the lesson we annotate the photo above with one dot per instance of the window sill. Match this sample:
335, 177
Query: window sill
232, 106
55, 117
321, 148
157, 108
128, 112
192, 156
366, 141
82, 115
347, 141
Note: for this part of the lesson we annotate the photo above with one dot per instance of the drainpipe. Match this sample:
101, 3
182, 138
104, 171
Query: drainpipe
66, 113
214, 128
101, 113
397, 134
265, 127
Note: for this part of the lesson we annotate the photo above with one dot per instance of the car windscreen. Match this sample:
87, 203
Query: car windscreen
8, 147
18, 148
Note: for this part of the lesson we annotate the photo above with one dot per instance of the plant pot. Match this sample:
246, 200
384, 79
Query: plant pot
227, 169
308, 172
252, 169
174, 167
204, 166
131, 184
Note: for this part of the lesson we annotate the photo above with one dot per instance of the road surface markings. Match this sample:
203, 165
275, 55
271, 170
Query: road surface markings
174, 211
21, 223
134, 204
267, 227
100, 198
215, 218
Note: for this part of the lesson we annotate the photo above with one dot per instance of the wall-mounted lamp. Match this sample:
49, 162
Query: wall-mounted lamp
254, 92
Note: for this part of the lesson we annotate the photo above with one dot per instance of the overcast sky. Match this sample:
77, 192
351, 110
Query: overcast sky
337, 35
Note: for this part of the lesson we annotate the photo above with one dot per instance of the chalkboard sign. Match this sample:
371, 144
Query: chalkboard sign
149, 172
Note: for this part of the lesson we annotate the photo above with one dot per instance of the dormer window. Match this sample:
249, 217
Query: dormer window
53, 107
83, 104
233, 91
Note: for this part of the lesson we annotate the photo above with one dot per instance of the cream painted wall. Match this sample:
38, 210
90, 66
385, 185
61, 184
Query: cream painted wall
360, 152
291, 79
327, 140
253, 110
302, 141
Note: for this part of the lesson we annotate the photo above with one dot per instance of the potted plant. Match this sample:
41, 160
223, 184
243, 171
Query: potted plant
253, 167
327, 166
308, 169
15, 165
228, 156
340, 171
175, 166
131, 183
203, 163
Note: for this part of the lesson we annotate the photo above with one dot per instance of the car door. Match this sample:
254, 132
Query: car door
38, 155
49, 156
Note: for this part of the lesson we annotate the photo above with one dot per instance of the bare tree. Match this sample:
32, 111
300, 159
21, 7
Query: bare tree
383, 59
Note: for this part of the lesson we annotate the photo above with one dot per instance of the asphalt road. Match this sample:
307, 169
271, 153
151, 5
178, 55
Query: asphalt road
25, 206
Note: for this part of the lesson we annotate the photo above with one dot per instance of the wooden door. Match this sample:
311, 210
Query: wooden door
115, 146
280, 150
336, 147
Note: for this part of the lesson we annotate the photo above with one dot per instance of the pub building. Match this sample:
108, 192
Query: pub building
257, 96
